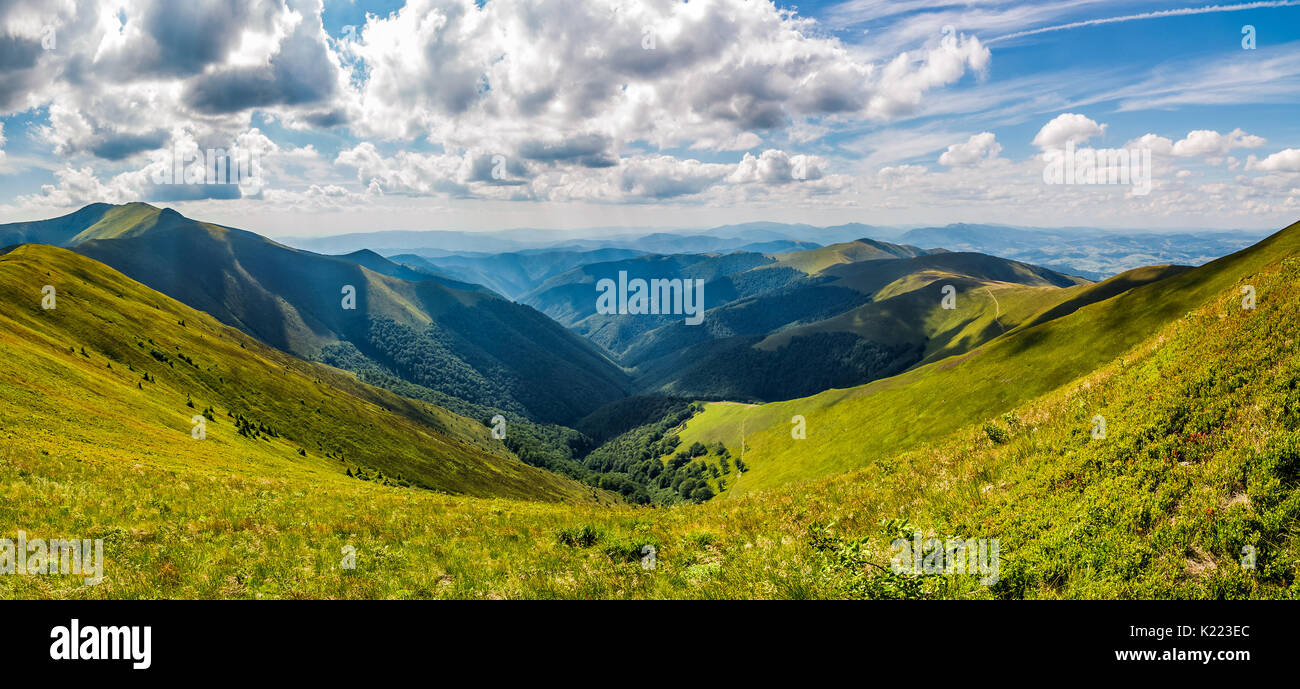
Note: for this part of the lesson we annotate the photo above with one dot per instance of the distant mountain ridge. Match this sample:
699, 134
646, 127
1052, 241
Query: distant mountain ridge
1093, 253
775, 323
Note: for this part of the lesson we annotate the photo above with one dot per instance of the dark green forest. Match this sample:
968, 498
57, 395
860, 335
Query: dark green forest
616, 448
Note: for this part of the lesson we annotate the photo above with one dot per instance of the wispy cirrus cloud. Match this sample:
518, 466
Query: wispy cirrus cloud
1142, 16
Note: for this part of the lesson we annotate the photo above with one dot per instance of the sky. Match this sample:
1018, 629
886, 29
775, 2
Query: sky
493, 114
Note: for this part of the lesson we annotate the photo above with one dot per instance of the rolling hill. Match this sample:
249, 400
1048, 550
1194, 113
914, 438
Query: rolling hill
466, 342
789, 325
921, 405
376, 263
115, 374
513, 274
1200, 462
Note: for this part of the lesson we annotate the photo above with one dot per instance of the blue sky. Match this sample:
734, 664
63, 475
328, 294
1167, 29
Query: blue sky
454, 114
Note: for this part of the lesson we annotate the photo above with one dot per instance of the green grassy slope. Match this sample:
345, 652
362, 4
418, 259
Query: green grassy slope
128, 220
76, 388
908, 310
851, 428
465, 342
814, 261
1201, 459
855, 323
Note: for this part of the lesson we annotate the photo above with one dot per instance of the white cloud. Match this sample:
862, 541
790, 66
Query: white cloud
777, 167
1158, 145
1067, 127
978, 148
1283, 161
739, 142
905, 80
75, 187
1158, 14
201, 65
563, 91
670, 74
1203, 142
575, 102
661, 177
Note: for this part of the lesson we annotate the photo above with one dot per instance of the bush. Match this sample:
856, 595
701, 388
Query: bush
996, 433
579, 537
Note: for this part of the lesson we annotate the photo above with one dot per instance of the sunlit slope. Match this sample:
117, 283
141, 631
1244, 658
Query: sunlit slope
1194, 490
877, 276
910, 310
468, 342
813, 261
854, 427
1201, 459
75, 386
290, 299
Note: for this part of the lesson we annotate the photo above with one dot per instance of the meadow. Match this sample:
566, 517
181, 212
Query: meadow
1201, 459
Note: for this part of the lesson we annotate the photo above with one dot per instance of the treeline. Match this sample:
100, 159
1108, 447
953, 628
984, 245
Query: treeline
636, 434
547, 446
629, 463
624, 415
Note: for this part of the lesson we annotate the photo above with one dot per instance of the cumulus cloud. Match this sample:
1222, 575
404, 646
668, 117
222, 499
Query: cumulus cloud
664, 177
409, 172
549, 100
1158, 145
1203, 142
1067, 128
185, 171
557, 90
777, 167
74, 187
205, 65
1283, 161
978, 148
661, 72
906, 79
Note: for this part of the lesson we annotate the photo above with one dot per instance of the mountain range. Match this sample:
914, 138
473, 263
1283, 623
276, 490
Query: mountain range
1090, 252
1122, 437
451, 336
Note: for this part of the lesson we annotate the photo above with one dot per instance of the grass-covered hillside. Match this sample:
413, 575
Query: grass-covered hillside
115, 373
1201, 458
794, 324
459, 339
853, 427
814, 261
